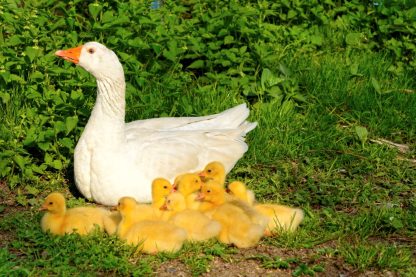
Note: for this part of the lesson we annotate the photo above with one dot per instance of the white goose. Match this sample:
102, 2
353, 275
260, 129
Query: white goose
115, 159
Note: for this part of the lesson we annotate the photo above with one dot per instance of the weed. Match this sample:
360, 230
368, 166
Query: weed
379, 255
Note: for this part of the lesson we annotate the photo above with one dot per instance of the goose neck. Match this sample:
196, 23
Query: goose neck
110, 102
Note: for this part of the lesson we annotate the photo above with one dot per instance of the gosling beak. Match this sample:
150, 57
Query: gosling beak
199, 197
164, 207
202, 174
42, 208
71, 55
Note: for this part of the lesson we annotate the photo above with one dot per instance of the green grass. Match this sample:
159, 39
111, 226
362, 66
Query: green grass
359, 196
354, 195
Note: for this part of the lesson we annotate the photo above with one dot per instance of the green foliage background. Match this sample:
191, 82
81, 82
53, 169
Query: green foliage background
326, 81
186, 58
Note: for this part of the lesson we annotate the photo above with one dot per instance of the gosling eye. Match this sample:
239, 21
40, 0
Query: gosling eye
91, 50
208, 191
51, 203
165, 187
209, 170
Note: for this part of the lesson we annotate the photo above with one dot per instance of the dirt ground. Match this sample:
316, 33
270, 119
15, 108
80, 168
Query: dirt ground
241, 264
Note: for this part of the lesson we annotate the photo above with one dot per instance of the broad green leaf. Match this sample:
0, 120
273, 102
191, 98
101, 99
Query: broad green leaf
37, 75
197, 64
58, 24
59, 126
354, 69
362, 133
76, 94
157, 48
39, 169
57, 164
5, 97
4, 167
44, 145
228, 40
108, 16
20, 161
299, 97
30, 137
71, 123
275, 92
94, 9
268, 79
67, 142
316, 39
32, 52
14, 40
291, 14
48, 158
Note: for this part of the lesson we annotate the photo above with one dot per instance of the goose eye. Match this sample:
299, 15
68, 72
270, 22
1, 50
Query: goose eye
91, 50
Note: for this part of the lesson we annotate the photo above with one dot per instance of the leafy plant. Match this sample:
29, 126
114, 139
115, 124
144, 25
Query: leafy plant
362, 134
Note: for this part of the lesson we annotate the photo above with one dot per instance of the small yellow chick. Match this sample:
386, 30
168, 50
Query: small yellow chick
160, 189
198, 226
216, 195
239, 190
214, 171
150, 235
82, 220
111, 222
237, 227
280, 217
133, 213
188, 184
213, 192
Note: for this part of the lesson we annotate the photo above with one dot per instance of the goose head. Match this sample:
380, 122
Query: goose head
97, 59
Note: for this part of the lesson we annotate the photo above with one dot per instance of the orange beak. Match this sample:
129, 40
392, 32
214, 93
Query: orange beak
43, 208
202, 174
164, 207
71, 55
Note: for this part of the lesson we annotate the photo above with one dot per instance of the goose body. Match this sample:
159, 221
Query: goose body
113, 159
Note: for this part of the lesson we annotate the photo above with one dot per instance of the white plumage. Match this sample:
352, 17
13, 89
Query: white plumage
115, 159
